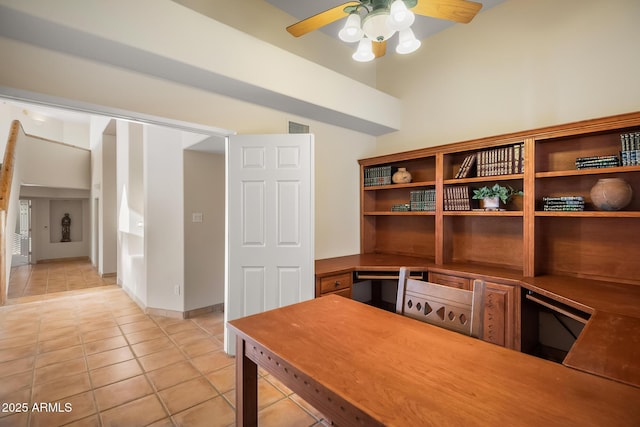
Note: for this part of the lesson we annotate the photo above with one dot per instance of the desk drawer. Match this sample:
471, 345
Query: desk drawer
448, 280
335, 282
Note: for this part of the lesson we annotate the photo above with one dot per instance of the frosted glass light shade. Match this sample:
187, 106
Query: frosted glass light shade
375, 26
351, 32
408, 42
365, 51
400, 18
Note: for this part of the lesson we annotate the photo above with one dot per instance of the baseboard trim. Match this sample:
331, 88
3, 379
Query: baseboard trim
77, 258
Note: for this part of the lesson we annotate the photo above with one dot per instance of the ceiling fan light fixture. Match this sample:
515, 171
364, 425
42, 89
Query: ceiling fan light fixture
407, 42
375, 25
400, 17
351, 32
364, 53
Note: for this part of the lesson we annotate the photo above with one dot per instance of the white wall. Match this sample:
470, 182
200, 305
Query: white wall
204, 193
163, 217
108, 207
520, 65
131, 274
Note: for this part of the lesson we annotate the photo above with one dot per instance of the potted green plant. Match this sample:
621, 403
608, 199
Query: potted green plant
491, 196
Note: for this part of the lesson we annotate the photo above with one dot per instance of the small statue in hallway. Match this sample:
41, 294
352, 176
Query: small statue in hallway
66, 228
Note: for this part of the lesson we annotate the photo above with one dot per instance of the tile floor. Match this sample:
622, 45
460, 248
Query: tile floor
91, 357
52, 277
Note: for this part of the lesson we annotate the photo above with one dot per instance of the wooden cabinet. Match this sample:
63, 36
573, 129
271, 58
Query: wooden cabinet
339, 284
450, 280
500, 325
522, 238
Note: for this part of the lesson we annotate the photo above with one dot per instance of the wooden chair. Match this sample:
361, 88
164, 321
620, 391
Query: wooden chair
451, 308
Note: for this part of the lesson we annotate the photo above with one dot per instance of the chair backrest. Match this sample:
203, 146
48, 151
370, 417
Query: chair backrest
451, 308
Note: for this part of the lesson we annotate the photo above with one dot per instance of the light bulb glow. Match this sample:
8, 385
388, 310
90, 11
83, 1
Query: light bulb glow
400, 18
407, 42
364, 53
351, 32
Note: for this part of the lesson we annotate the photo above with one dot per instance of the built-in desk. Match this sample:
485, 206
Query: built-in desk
608, 346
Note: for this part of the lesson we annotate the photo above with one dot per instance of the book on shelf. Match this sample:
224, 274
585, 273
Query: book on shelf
422, 200
467, 166
630, 149
501, 160
457, 198
378, 175
592, 162
563, 204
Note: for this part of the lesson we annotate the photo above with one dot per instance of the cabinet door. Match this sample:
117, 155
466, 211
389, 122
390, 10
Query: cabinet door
499, 315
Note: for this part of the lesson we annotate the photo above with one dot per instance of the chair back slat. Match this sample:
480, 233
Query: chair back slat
451, 308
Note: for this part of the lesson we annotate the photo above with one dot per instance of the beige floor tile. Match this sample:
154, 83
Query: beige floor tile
138, 326
18, 352
91, 421
131, 318
187, 394
160, 359
18, 341
79, 406
57, 356
267, 394
212, 361
109, 357
14, 383
152, 346
15, 396
59, 343
284, 413
183, 326
16, 366
48, 333
63, 387
140, 412
105, 344
215, 412
58, 370
113, 373
122, 392
223, 379
100, 334
201, 346
146, 335
173, 374
14, 420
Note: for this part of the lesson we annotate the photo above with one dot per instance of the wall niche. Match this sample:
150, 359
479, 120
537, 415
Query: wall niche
57, 211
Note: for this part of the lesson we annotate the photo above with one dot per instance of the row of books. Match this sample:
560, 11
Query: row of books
401, 207
378, 175
457, 198
630, 148
563, 203
423, 200
597, 162
495, 161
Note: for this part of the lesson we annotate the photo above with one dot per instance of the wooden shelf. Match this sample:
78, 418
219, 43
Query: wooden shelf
482, 213
590, 214
396, 186
483, 179
409, 213
582, 172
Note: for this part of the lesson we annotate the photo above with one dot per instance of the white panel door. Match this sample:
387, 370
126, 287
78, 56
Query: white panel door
269, 247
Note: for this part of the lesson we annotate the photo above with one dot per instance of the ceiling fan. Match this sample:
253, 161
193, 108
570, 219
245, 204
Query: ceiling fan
372, 22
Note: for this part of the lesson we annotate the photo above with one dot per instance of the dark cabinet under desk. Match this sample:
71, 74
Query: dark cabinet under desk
549, 328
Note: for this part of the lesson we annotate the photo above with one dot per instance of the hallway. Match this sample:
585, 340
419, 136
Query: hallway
107, 363
52, 277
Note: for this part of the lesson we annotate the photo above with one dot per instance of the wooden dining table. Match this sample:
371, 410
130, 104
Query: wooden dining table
362, 366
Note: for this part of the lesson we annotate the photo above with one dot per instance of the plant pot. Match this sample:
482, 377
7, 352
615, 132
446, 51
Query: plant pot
491, 202
402, 176
611, 194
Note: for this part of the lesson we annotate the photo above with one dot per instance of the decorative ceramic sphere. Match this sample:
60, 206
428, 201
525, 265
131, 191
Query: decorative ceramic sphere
611, 194
402, 176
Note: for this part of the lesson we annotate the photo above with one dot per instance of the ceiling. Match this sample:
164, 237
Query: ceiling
423, 26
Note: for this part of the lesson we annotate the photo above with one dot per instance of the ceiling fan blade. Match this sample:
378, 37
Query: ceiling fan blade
452, 10
379, 48
320, 20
